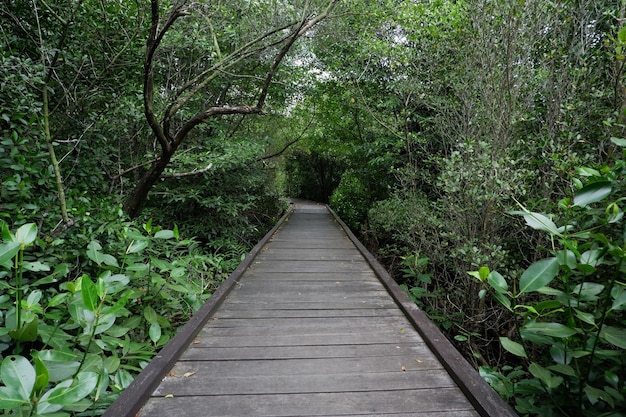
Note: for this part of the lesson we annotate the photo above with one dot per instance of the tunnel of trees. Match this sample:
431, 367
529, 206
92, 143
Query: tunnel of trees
475, 146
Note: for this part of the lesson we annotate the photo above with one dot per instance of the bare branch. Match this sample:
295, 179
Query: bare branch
189, 174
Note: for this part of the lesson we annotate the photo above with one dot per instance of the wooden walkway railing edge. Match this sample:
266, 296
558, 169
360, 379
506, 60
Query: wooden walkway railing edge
132, 399
486, 401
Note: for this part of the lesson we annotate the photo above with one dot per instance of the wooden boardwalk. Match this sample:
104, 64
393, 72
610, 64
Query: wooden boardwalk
310, 329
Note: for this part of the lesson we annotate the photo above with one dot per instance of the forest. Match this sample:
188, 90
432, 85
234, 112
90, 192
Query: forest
477, 147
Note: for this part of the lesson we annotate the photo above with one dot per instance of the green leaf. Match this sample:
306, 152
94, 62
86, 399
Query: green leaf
93, 252
11, 399
567, 258
164, 234
26, 234
61, 365
149, 314
539, 274
614, 335
155, 332
621, 35
539, 221
513, 347
497, 282
550, 329
618, 141
26, 333
8, 251
592, 193
89, 293
587, 172
585, 317
35, 266
545, 376
18, 373
137, 246
43, 377
81, 387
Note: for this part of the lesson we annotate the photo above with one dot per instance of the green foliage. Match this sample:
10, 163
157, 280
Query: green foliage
71, 342
350, 200
568, 309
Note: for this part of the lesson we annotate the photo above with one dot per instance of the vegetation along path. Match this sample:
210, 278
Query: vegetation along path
312, 327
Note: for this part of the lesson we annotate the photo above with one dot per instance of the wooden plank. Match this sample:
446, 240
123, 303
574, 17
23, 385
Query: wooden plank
306, 305
198, 382
287, 254
244, 313
309, 323
321, 267
294, 368
449, 400
306, 351
359, 276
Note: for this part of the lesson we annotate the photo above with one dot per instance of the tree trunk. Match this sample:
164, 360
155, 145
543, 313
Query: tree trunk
135, 200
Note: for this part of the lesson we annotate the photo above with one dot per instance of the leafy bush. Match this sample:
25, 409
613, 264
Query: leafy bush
72, 335
568, 328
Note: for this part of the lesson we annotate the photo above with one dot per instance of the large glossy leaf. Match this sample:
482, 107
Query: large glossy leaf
550, 329
26, 234
11, 399
61, 365
89, 293
155, 332
81, 387
539, 221
8, 250
137, 246
513, 347
42, 376
538, 275
592, 193
541, 373
614, 335
26, 333
19, 374
497, 282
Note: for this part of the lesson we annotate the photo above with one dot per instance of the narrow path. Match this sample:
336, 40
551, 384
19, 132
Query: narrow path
310, 329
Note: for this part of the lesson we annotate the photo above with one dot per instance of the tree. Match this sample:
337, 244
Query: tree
266, 48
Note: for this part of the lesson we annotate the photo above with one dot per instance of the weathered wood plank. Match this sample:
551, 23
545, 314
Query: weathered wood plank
294, 368
336, 323
195, 353
198, 382
244, 313
227, 337
358, 276
319, 267
449, 400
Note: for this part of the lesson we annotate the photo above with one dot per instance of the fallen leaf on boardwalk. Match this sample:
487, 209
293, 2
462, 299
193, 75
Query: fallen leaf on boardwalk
401, 330
338, 282
397, 347
169, 396
188, 374
403, 369
418, 361
196, 342
172, 374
